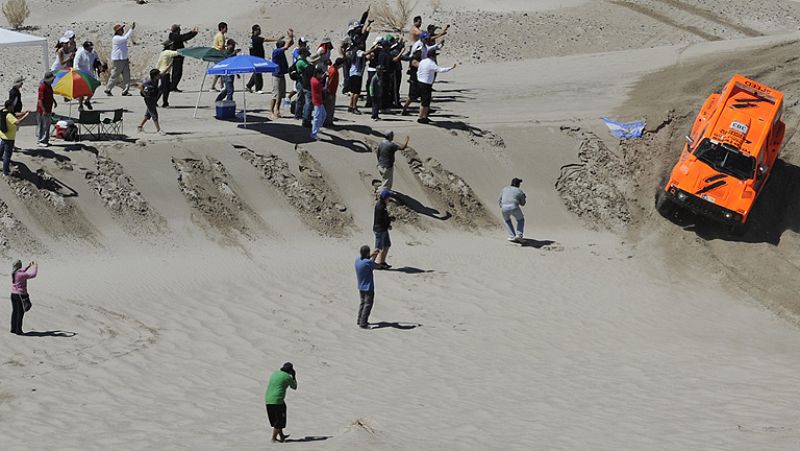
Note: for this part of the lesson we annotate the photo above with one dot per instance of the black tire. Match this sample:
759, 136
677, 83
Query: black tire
664, 204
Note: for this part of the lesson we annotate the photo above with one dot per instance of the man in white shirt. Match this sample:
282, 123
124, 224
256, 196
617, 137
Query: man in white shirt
119, 59
426, 72
85, 59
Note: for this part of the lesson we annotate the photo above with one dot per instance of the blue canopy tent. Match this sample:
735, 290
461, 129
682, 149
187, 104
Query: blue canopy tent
243, 64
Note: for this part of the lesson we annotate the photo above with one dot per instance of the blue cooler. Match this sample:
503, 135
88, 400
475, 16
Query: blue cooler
226, 109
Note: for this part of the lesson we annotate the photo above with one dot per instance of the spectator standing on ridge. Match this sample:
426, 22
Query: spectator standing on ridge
44, 108
178, 39
381, 225
318, 100
511, 198
8, 133
426, 72
256, 49
20, 301
150, 91
386, 151
219, 44
165, 61
86, 59
330, 91
279, 76
62, 56
15, 96
120, 65
365, 264
300, 69
227, 93
358, 63
275, 399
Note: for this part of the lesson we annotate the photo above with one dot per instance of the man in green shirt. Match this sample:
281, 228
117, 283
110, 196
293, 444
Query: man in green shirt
274, 399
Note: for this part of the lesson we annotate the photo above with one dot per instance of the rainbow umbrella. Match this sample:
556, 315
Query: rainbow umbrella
72, 83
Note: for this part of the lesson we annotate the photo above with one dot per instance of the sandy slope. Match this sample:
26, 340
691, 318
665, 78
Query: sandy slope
212, 276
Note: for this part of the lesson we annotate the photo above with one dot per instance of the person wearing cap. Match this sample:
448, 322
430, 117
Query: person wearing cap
178, 39
44, 109
331, 85
120, 65
365, 280
358, 63
15, 96
20, 300
386, 150
219, 44
318, 100
372, 67
324, 52
62, 55
165, 61
8, 132
72, 47
300, 85
279, 76
86, 59
426, 71
275, 399
149, 90
511, 199
381, 225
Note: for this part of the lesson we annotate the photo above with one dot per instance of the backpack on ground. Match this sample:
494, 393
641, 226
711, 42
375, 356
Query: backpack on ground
71, 133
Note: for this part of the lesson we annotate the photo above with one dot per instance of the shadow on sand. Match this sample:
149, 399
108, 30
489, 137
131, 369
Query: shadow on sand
418, 207
536, 244
394, 325
49, 333
308, 438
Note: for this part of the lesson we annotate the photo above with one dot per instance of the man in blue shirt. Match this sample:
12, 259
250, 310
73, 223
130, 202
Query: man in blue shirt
279, 77
365, 264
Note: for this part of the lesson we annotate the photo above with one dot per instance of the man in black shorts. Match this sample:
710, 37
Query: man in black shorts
426, 73
149, 91
279, 381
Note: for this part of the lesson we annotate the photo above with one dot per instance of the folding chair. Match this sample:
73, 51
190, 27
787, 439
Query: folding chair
89, 121
114, 126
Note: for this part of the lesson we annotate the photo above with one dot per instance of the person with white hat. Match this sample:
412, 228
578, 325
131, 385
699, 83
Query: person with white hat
72, 47
120, 65
63, 57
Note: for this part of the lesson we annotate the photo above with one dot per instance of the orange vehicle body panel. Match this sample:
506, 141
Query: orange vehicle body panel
745, 116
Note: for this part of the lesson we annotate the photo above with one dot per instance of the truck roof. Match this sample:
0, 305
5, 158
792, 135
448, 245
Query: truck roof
746, 112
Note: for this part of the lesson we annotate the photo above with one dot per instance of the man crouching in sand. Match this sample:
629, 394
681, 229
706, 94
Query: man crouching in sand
274, 398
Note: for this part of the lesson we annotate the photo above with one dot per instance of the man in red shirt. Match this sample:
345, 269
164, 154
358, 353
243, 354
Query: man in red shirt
318, 100
44, 108
330, 90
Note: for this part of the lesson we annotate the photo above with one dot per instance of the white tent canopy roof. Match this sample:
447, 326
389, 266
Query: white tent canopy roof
10, 38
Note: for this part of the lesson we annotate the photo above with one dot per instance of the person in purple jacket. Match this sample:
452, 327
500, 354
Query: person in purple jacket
20, 301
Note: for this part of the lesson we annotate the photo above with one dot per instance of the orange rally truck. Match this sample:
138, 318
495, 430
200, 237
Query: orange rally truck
729, 155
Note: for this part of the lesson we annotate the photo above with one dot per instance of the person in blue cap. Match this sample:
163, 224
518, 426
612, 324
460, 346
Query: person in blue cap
381, 225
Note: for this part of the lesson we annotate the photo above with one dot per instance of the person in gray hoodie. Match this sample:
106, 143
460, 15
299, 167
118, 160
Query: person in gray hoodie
511, 199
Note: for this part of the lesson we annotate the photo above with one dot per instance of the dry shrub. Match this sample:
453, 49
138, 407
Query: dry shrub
16, 12
395, 17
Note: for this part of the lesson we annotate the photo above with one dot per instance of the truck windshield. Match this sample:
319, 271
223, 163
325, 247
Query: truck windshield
726, 159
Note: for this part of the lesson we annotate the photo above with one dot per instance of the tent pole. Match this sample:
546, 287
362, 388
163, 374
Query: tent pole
200, 92
45, 57
244, 97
